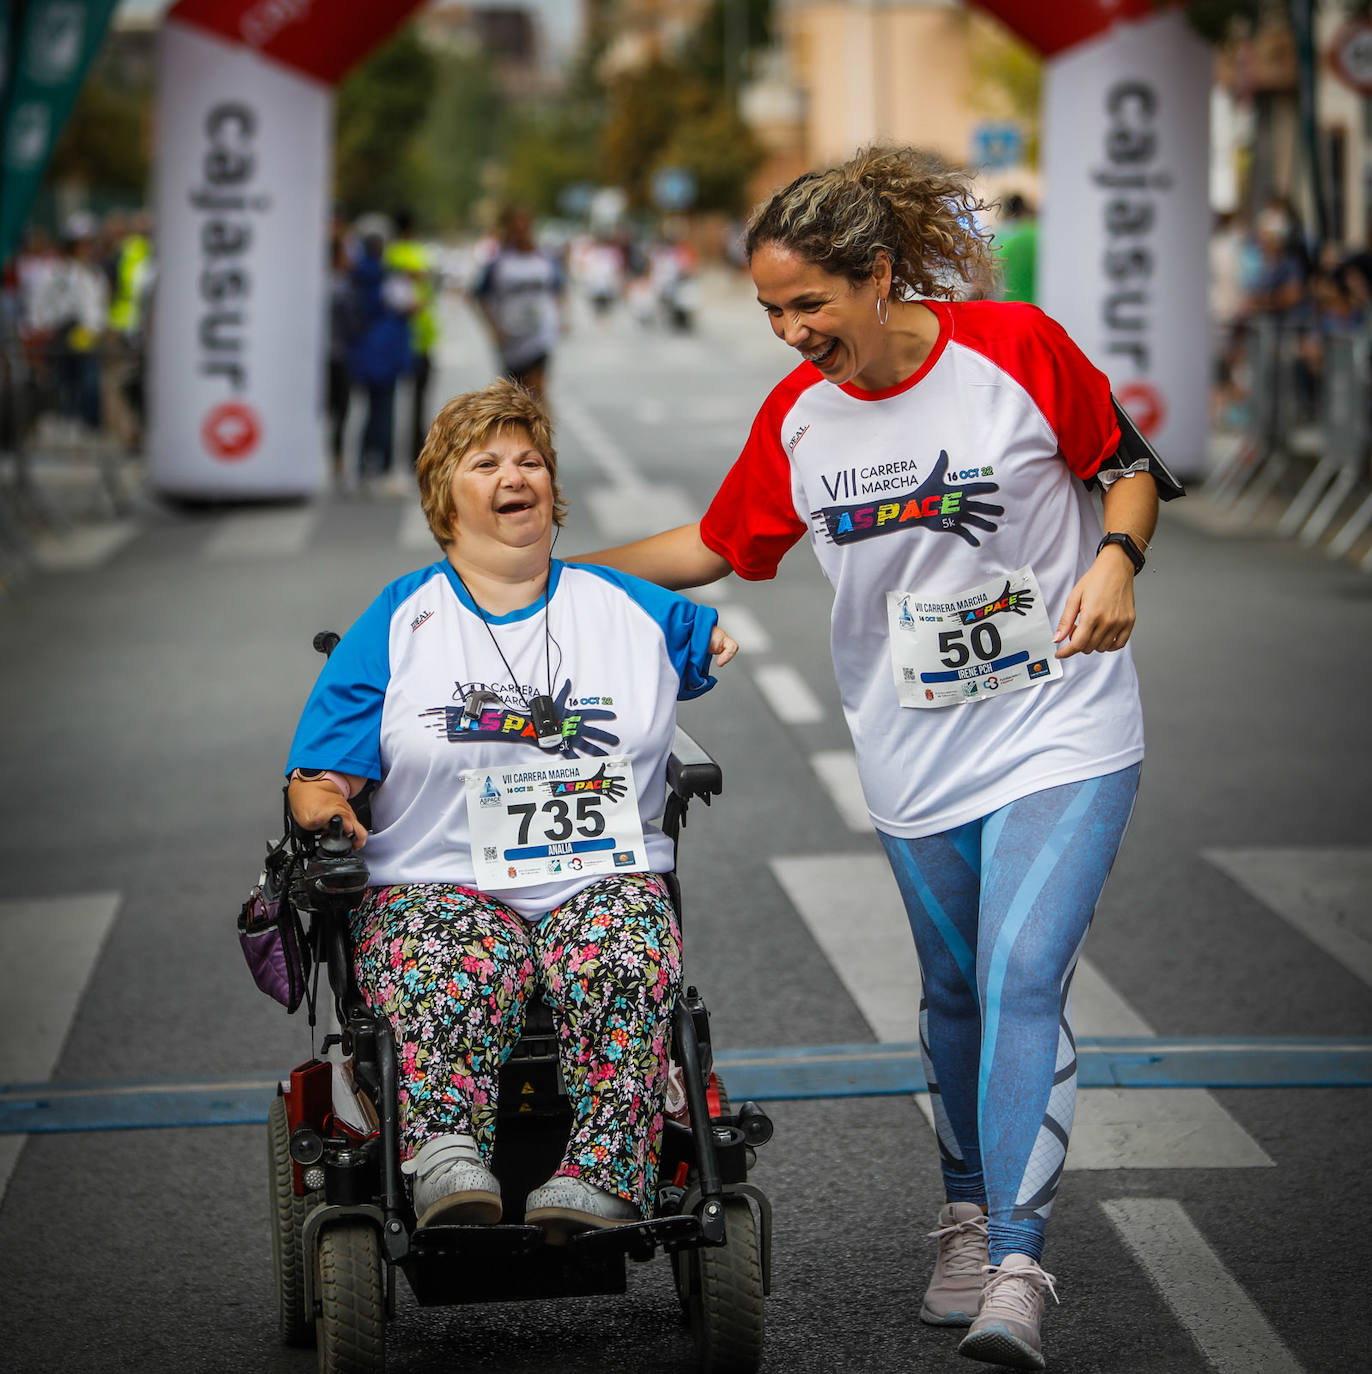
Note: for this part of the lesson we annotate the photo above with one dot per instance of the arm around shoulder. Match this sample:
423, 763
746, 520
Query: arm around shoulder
677, 559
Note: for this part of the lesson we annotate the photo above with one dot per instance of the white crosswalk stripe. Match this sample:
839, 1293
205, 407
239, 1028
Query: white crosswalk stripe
83, 548
852, 907
838, 773
255, 535
414, 534
48, 948
1322, 892
747, 629
622, 513
1221, 1318
787, 693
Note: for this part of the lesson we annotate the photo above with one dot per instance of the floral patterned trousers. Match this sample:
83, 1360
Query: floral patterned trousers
452, 970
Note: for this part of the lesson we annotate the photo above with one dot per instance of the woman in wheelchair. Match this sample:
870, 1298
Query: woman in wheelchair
508, 718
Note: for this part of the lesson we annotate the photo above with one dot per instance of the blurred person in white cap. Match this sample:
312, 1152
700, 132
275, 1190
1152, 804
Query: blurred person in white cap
71, 313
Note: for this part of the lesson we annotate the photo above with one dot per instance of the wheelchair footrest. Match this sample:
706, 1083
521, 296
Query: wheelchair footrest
495, 1242
638, 1239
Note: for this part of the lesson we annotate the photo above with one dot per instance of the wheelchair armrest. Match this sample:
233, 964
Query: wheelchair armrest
691, 772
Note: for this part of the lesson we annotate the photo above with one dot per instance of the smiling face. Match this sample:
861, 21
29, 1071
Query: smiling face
827, 319
502, 490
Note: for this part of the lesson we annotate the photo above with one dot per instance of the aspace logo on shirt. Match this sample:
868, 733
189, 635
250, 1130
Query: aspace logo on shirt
933, 504
580, 732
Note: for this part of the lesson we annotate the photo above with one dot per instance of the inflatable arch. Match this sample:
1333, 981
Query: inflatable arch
243, 166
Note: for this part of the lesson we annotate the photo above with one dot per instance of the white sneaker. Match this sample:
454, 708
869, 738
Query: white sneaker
1006, 1329
563, 1205
452, 1187
954, 1292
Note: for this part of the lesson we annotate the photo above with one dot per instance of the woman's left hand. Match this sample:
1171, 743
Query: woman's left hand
722, 646
1099, 616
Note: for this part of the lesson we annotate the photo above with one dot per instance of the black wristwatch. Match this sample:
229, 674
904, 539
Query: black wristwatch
308, 774
1125, 542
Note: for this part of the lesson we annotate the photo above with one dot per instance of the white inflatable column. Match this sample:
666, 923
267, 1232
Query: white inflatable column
1123, 234
243, 166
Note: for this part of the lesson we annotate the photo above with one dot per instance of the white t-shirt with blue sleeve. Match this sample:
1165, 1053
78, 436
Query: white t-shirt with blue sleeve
617, 655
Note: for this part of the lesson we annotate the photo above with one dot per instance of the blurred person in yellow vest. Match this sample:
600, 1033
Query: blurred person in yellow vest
407, 254
131, 268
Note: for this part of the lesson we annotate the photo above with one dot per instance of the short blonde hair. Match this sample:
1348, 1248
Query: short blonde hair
465, 423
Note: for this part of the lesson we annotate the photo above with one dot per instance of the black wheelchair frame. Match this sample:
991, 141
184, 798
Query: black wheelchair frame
342, 1220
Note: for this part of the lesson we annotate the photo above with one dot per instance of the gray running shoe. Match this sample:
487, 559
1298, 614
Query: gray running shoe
563, 1205
1006, 1329
452, 1187
959, 1271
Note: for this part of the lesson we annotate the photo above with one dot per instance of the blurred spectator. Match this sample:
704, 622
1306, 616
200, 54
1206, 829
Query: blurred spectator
1016, 244
602, 273
130, 270
71, 311
1228, 258
379, 352
343, 327
519, 294
406, 254
34, 266
672, 273
1278, 289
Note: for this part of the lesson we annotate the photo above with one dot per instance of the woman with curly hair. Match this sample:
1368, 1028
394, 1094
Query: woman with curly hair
942, 454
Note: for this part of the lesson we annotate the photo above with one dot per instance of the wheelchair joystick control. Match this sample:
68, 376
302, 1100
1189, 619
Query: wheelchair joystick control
337, 870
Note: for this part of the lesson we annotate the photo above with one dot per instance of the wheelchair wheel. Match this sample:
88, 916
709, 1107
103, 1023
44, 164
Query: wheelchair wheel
351, 1284
682, 1260
724, 1300
288, 1215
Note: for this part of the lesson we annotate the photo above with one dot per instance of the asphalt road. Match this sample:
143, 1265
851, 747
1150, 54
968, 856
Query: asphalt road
147, 695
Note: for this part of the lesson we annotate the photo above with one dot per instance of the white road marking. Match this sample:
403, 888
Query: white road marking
48, 947
1322, 892
633, 511
629, 507
787, 693
852, 907
260, 534
1222, 1319
837, 770
745, 627
713, 593
414, 531
613, 461
87, 546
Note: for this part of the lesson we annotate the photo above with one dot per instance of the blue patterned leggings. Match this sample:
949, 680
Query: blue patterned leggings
999, 908
452, 970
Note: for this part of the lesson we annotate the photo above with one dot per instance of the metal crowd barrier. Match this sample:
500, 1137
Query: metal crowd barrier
48, 397
1299, 415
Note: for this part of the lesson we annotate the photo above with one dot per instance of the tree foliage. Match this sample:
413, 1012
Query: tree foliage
728, 31
466, 123
665, 116
382, 107
104, 144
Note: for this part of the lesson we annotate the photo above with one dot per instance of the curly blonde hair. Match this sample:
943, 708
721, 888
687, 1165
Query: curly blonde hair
910, 205
465, 423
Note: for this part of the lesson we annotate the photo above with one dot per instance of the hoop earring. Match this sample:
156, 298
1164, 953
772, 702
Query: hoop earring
883, 309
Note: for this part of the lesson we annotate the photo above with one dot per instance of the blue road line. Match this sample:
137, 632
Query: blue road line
766, 1075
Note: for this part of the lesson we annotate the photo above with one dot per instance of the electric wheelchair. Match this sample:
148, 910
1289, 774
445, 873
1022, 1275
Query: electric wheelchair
343, 1224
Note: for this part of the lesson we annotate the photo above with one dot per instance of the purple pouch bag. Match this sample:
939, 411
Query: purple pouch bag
270, 933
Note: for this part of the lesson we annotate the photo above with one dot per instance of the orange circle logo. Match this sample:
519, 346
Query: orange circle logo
1144, 405
231, 431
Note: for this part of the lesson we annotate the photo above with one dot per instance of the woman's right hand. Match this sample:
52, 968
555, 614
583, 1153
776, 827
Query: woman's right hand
316, 802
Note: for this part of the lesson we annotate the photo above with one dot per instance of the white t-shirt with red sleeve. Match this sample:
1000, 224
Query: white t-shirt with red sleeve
972, 468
